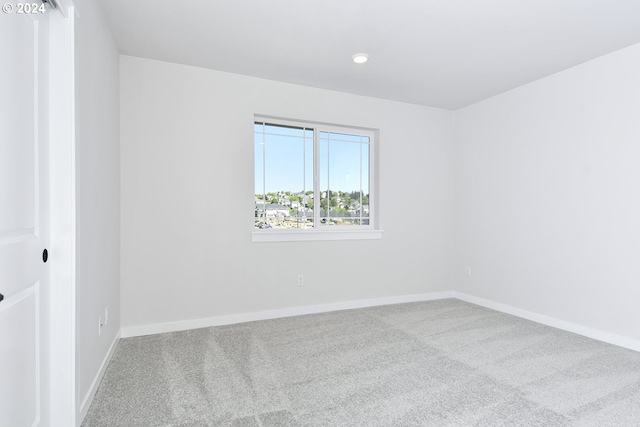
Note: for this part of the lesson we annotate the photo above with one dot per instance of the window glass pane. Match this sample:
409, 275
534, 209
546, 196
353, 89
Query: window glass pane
324, 177
365, 177
308, 189
259, 172
342, 137
280, 195
344, 179
284, 130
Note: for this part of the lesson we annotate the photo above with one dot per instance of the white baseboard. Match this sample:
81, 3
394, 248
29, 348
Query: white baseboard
619, 340
88, 398
134, 331
158, 328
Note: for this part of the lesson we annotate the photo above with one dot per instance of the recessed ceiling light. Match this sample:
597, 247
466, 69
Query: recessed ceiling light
360, 58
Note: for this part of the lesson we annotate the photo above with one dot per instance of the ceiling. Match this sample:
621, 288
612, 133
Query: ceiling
439, 53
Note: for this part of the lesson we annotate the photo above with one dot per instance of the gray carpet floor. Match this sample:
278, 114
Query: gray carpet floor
438, 363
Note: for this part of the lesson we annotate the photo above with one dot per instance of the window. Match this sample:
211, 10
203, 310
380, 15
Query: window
313, 182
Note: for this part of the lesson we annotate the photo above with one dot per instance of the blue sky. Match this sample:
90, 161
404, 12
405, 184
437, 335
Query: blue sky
288, 157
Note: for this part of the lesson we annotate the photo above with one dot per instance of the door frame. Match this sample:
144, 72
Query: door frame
61, 404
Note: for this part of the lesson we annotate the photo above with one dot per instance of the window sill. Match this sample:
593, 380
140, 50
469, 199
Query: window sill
313, 235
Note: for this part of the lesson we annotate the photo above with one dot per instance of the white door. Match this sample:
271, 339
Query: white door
24, 215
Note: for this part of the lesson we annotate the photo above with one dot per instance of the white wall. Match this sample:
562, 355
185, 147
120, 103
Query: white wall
97, 195
187, 198
548, 200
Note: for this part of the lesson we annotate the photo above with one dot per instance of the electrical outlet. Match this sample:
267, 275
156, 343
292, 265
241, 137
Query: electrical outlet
106, 315
468, 271
99, 325
300, 279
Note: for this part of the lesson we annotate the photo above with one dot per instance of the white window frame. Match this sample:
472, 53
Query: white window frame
371, 231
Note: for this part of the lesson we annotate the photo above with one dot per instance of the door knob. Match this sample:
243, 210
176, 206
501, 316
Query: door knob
45, 255
1, 297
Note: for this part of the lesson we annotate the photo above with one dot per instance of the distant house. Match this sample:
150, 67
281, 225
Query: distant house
358, 209
306, 198
271, 210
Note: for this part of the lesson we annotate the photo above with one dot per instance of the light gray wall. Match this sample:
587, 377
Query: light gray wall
187, 198
548, 207
97, 192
